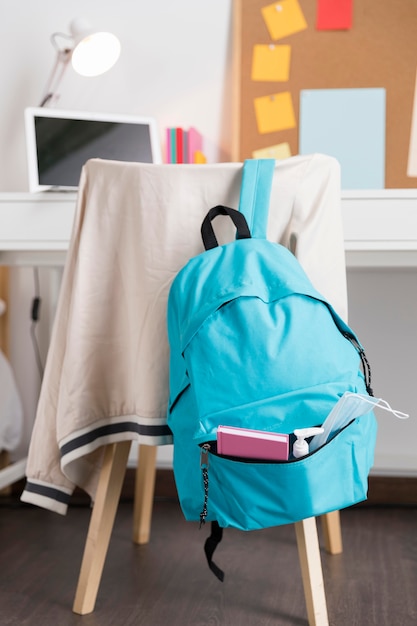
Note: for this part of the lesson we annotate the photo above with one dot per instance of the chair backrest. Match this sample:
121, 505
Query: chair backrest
136, 225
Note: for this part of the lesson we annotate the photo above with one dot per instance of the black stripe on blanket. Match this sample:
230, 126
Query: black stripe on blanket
48, 492
113, 429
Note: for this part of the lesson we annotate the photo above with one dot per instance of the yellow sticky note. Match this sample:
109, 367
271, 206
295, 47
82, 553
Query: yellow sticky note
274, 112
283, 18
279, 151
270, 62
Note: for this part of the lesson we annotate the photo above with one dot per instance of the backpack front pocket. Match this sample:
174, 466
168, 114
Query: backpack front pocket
253, 495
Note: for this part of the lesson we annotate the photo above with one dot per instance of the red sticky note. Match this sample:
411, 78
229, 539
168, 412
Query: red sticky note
334, 14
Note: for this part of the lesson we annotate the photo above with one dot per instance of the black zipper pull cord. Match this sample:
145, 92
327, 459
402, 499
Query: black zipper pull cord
364, 360
204, 464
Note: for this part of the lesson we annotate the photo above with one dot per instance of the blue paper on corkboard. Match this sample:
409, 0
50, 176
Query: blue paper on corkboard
348, 124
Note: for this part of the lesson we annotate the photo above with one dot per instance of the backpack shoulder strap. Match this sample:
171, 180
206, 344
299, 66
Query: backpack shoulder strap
255, 193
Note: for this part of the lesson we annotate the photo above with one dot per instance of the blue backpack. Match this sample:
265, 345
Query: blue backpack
254, 345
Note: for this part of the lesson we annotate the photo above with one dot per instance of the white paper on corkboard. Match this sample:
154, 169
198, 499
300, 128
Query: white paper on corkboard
412, 153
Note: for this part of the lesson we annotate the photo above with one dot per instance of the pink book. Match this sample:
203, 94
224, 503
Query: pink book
252, 444
168, 146
195, 144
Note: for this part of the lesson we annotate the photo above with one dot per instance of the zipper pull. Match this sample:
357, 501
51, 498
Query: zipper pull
204, 458
365, 363
204, 463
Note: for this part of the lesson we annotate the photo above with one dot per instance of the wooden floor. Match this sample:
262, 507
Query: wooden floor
167, 582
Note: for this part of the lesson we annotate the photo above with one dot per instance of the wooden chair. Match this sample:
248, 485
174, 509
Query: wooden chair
104, 512
155, 209
107, 497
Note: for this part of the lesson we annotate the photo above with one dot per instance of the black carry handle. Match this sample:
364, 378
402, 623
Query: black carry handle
239, 220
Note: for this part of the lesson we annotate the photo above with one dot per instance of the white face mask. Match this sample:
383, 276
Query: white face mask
349, 407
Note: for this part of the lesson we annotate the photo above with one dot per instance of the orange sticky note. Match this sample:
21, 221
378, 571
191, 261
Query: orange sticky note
274, 112
279, 151
271, 62
283, 18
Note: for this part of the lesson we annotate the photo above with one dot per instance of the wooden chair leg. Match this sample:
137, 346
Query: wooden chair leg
332, 532
310, 562
101, 525
144, 493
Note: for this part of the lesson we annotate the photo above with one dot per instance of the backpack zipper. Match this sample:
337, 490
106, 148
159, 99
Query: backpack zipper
364, 360
204, 464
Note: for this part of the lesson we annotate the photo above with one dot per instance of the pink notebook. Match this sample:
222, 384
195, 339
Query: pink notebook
252, 444
195, 144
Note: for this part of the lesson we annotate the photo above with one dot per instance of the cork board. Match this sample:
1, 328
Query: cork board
378, 51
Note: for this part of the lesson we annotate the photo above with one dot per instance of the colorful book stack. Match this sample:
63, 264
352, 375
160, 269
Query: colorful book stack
184, 146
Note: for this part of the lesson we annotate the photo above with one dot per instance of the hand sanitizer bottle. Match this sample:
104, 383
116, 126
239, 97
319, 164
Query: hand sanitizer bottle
300, 447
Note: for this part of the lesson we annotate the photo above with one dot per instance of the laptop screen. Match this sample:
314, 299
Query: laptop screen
59, 143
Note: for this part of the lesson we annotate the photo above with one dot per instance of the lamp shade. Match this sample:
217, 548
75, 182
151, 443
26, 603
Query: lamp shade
94, 52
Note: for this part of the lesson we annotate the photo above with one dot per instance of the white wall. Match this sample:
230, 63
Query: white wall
383, 312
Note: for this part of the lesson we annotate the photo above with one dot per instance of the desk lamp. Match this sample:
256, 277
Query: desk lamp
91, 53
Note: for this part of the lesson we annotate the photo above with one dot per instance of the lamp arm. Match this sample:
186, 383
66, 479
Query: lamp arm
61, 63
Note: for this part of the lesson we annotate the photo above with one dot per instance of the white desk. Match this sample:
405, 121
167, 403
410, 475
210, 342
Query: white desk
35, 228
380, 227
380, 231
